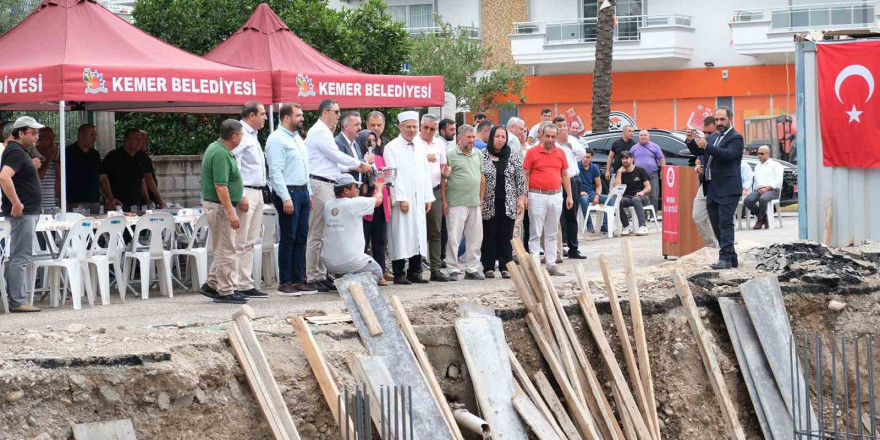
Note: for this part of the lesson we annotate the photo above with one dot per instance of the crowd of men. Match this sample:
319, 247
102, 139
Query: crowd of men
348, 202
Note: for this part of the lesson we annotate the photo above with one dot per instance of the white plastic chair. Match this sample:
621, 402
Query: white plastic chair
72, 258
101, 257
160, 227
609, 208
649, 208
267, 248
196, 254
774, 211
4, 252
742, 214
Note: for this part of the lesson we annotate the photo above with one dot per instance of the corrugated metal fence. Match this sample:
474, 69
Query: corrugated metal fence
855, 192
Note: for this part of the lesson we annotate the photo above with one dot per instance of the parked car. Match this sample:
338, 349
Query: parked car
676, 152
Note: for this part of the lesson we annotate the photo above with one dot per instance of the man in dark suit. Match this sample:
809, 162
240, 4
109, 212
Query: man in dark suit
723, 185
696, 142
346, 141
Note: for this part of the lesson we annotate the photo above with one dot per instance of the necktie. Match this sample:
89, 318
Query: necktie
709, 162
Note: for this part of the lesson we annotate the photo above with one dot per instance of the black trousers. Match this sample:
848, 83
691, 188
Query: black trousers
374, 236
415, 266
569, 217
497, 233
721, 213
525, 229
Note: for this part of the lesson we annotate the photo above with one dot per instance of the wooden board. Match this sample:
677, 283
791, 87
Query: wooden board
766, 307
769, 407
588, 308
320, 369
629, 356
425, 364
329, 319
391, 345
485, 352
531, 303
532, 392
563, 342
536, 421
372, 372
558, 410
639, 337
728, 411
114, 430
369, 317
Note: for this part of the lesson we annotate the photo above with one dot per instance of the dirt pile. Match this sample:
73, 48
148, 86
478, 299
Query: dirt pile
810, 267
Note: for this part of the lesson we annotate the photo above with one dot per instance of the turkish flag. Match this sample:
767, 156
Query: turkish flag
849, 108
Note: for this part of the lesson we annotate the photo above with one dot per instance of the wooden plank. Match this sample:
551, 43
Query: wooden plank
484, 349
829, 215
728, 411
626, 347
536, 421
531, 303
581, 417
532, 392
588, 308
372, 371
113, 430
525, 261
320, 369
329, 319
641, 342
766, 307
392, 346
624, 416
553, 400
597, 403
363, 305
563, 342
428, 370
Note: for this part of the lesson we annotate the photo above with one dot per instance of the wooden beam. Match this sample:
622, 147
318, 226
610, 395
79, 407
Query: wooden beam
363, 304
581, 417
529, 300
592, 317
530, 414
562, 340
553, 400
419, 350
624, 416
532, 392
829, 216
320, 368
644, 359
728, 411
626, 346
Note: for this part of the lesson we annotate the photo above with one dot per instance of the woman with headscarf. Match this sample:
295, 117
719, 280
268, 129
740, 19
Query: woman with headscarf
503, 199
374, 225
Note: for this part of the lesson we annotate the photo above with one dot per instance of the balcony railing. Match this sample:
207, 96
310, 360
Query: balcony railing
471, 31
839, 15
584, 29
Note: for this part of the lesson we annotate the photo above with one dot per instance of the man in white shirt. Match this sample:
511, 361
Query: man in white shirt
435, 147
574, 153
411, 198
324, 161
534, 135
343, 251
252, 165
767, 187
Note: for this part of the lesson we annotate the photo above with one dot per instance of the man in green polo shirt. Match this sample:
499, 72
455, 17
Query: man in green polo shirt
221, 191
462, 194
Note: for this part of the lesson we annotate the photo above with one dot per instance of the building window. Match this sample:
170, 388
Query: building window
628, 14
413, 16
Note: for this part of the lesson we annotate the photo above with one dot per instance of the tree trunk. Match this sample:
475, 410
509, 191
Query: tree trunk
602, 70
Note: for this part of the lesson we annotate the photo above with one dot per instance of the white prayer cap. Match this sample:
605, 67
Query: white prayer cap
407, 116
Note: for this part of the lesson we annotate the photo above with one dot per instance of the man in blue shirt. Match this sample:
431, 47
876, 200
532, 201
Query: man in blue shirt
288, 160
591, 187
483, 134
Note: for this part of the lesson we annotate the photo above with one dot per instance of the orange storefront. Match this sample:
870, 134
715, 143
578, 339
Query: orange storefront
666, 99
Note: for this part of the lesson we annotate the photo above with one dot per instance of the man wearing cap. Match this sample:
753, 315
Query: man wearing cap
343, 251
638, 185
325, 160
21, 205
221, 197
411, 198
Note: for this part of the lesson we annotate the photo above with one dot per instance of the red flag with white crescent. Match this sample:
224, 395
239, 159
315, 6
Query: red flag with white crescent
849, 108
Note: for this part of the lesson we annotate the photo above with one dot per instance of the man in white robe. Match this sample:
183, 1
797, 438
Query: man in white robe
411, 198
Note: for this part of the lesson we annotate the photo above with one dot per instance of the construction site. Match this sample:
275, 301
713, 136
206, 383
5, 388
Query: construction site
627, 346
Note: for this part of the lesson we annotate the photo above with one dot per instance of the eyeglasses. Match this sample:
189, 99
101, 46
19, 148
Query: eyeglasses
762, 154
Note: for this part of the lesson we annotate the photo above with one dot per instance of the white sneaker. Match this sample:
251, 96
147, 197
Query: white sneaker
643, 230
626, 231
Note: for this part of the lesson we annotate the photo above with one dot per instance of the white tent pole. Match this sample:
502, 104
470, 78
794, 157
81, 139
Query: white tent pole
271, 118
61, 149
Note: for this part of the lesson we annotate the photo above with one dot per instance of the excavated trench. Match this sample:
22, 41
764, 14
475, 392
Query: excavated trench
185, 383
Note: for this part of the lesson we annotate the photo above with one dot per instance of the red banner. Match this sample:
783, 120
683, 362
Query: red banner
670, 204
849, 113
355, 91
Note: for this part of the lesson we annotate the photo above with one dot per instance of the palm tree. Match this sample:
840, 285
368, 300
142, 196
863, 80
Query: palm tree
602, 69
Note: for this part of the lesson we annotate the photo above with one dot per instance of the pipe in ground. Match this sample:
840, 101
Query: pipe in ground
472, 423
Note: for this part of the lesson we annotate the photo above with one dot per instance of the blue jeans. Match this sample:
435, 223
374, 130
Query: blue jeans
294, 235
585, 202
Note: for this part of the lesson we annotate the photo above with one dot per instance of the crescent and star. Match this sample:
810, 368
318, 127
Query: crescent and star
854, 70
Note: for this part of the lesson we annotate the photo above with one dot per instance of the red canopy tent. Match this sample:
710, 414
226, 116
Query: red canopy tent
302, 74
74, 54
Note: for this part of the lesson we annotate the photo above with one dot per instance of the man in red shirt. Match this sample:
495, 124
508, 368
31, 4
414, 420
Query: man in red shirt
546, 173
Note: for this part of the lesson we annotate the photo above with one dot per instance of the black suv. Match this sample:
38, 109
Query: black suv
676, 152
